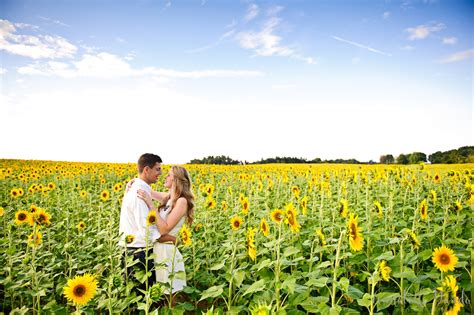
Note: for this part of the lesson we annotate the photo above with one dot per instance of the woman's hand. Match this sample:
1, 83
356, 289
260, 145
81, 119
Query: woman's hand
145, 197
129, 185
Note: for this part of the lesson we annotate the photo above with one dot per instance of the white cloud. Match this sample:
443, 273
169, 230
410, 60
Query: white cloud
36, 47
53, 21
407, 47
459, 56
267, 43
3, 71
450, 40
252, 12
423, 31
120, 40
105, 65
361, 46
386, 14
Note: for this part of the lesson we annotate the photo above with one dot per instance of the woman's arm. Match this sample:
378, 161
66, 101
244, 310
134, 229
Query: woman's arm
179, 211
157, 195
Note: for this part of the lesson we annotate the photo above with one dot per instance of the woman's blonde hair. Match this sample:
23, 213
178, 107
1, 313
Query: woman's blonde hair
182, 188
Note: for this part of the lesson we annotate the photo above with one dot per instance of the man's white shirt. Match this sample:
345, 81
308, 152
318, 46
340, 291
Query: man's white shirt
133, 218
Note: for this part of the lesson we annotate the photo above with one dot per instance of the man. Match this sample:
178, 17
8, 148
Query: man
137, 234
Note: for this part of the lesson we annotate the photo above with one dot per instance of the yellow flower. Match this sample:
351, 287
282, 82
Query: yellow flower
118, 187
457, 206
14, 193
104, 195
185, 234
42, 217
277, 215
414, 239
210, 202
23, 217
356, 240
51, 185
224, 205
449, 289
129, 238
322, 238
2, 211
378, 208
384, 271
83, 193
81, 289
424, 210
296, 191
252, 251
81, 226
304, 205
151, 218
245, 206
264, 227
444, 258
343, 208
235, 223
434, 195
35, 239
291, 218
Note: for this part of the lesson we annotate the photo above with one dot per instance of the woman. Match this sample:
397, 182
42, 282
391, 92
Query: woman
177, 206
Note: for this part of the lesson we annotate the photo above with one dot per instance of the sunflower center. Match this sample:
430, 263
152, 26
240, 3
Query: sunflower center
445, 260
21, 216
41, 218
353, 231
291, 219
79, 290
236, 224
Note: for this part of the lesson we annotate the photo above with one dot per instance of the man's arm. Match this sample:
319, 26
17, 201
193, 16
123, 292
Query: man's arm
168, 238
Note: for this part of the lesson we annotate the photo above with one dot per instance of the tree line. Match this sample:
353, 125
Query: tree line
461, 155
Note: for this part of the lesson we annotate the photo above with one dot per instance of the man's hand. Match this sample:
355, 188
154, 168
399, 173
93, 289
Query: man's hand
168, 238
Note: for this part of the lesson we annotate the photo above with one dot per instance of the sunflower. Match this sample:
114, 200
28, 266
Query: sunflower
291, 218
198, 227
384, 271
23, 217
209, 189
378, 209
104, 195
356, 240
81, 226
245, 206
437, 179
449, 289
42, 217
20, 192
444, 259
14, 193
304, 205
322, 238
210, 202
343, 208
434, 195
252, 251
457, 206
118, 187
260, 309
224, 205
35, 239
81, 289
424, 210
296, 191
277, 215
129, 238
185, 234
151, 218
51, 185
235, 223
2, 211
83, 193
264, 227
414, 239
34, 208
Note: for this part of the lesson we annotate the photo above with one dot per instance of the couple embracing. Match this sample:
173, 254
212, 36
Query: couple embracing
140, 234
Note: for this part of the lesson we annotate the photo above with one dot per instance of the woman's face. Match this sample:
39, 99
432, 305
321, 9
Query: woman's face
169, 179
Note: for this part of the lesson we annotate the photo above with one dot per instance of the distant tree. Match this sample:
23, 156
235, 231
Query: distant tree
402, 159
387, 159
416, 157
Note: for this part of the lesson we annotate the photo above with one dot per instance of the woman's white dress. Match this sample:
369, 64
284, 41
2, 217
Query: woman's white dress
169, 263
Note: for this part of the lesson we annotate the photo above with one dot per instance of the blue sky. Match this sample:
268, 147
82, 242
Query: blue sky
109, 80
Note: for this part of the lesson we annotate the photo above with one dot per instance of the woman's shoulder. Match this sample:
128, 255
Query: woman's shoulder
182, 201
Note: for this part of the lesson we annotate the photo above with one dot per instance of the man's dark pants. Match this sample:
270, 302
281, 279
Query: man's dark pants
140, 255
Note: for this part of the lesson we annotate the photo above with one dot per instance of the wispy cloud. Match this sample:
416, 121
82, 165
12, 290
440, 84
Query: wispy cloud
57, 22
407, 47
3, 71
105, 65
386, 15
459, 56
450, 40
252, 12
361, 46
267, 43
36, 47
423, 31
120, 40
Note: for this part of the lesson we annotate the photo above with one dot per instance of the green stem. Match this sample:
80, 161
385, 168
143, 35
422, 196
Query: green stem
336, 265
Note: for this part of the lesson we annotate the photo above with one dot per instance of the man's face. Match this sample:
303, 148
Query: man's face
153, 173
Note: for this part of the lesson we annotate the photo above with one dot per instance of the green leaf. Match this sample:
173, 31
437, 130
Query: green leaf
344, 283
212, 292
239, 277
407, 273
218, 266
324, 264
264, 264
255, 287
290, 251
354, 293
365, 301
289, 285
385, 299
386, 256
319, 282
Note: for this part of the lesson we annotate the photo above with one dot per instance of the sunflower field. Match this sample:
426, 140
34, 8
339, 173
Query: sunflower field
266, 239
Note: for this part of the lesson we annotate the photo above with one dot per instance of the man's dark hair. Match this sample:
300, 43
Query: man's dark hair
147, 159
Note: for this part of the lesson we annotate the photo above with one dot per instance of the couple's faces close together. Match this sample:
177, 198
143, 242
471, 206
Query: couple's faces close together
153, 173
